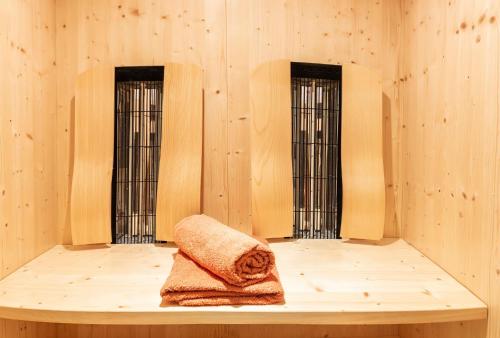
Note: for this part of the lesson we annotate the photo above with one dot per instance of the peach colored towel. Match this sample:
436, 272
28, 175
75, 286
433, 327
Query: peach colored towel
231, 255
191, 285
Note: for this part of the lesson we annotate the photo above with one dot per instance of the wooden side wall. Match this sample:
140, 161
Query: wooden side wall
449, 94
228, 39
27, 127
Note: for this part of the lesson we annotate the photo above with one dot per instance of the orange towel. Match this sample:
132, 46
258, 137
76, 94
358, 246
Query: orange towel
191, 285
231, 255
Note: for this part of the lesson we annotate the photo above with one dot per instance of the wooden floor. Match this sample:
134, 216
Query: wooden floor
325, 281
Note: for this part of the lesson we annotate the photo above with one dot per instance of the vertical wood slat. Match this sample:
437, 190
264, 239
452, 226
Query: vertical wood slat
363, 189
271, 150
179, 178
93, 158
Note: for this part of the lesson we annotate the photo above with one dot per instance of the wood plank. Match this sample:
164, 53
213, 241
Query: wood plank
391, 15
19, 329
363, 190
239, 173
271, 154
229, 39
473, 329
213, 50
449, 71
389, 283
121, 33
93, 161
218, 331
27, 128
179, 178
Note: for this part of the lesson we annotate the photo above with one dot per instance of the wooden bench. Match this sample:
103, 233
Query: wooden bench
325, 281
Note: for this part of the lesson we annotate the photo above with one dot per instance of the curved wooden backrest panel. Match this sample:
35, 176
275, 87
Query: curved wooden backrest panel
363, 191
93, 158
271, 154
179, 179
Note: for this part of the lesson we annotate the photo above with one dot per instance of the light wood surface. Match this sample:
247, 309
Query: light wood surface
238, 98
213, 50
15, 329
450, 145
27, 128
27, 143
93, 161
233, 331
179, 178
388, 283
228, 39
363, 190
271, 150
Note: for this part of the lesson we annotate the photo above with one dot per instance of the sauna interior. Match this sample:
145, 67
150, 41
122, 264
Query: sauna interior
360, 137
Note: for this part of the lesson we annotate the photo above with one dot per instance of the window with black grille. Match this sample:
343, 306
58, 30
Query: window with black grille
138, 120
317, 186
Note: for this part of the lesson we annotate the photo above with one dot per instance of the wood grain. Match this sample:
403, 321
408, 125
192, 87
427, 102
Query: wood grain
14, 329
228, 39
215, 141
27, 143
389, 283
218, 331
475, 328
450, 142
271, 155
93, 161
27, 127
238, 98
179, 178
363, 189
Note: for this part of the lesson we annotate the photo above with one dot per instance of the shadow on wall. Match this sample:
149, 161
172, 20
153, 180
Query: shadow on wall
71, 154
391, 223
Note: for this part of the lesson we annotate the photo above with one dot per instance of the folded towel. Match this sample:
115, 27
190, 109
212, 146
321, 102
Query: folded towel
189, 284
231, 255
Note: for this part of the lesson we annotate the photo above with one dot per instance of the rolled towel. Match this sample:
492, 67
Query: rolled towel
234, 256
191, 285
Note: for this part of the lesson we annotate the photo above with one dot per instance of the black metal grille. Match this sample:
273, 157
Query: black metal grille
316, 151
138, 116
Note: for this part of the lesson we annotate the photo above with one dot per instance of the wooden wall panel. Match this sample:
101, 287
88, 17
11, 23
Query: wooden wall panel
93, 159
338, 32
131, 32
271, 153
450, 144
391, 42
228, 39
444, 330
18, 329
27, 145
363, 189
215, 142
234, 331
179, 178
120, 33
15, 329
27, 112
238, 91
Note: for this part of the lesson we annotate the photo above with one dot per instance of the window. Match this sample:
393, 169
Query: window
317, 186
138, 121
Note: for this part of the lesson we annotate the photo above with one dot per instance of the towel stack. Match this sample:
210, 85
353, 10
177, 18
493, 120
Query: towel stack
217, 265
